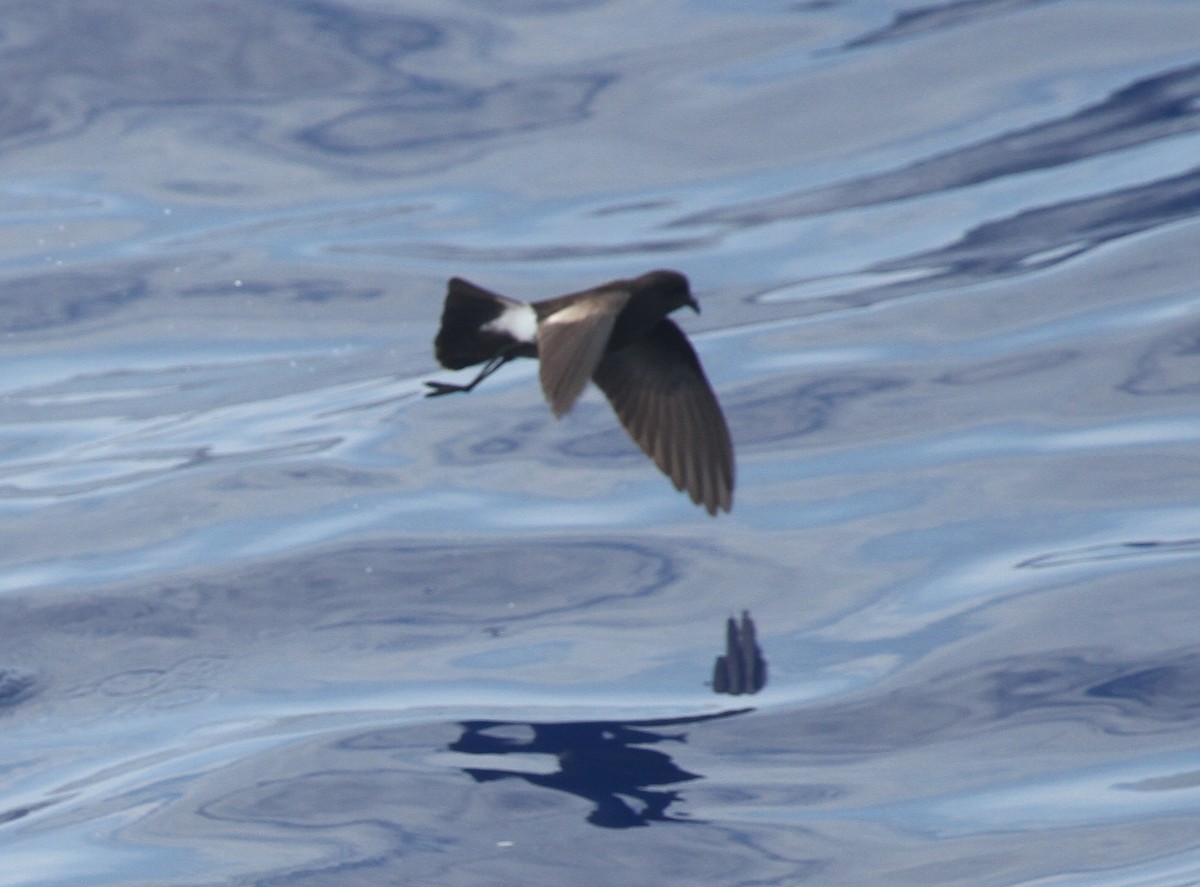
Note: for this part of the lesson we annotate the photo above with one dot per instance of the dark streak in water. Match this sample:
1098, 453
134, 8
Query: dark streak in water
1030, 240
314, 290
1147, 110
427, 113
383, 585
1112, 551
1058, 231
1009, 367
943, 16
16, 685
64, 298
458, 253
360, 86
1112, 696
1170, 366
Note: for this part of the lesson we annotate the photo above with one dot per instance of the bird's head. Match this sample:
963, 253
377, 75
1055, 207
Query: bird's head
670, 290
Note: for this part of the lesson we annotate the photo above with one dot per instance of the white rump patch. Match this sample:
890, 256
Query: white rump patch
517, 320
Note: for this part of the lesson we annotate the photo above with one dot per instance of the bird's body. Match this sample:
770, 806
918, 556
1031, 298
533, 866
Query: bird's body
618, 336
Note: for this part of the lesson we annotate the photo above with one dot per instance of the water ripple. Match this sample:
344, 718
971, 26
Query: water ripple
268, 615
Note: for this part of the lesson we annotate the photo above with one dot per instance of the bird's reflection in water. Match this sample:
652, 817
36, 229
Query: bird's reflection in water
603, 762
742, 668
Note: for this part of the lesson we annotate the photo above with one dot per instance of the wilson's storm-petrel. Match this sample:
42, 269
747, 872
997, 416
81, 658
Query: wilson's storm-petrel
617, 335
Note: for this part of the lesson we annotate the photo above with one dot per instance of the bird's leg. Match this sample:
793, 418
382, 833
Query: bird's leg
440, 388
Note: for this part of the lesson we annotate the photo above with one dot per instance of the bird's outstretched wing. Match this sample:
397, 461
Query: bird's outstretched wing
571, 341
659, 392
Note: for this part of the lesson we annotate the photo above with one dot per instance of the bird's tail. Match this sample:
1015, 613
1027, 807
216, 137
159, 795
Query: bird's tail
478, 325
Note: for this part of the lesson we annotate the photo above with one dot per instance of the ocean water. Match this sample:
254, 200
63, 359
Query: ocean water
269, 616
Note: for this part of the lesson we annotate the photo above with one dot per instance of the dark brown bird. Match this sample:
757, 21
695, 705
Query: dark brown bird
617, 335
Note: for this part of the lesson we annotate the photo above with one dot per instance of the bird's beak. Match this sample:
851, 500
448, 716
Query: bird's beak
695, 306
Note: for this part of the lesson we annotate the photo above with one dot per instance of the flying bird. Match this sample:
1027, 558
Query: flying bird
617, 335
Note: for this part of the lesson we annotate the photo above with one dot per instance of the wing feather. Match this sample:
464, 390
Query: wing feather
571, 342
659, 392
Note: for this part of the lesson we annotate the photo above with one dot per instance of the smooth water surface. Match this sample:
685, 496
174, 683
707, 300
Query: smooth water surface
269, 616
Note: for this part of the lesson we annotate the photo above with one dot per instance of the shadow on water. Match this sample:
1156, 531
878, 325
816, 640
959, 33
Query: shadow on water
603, 762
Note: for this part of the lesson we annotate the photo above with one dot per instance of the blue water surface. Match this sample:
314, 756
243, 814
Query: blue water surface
269, 616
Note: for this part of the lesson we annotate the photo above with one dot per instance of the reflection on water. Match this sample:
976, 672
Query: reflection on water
742, 668
602, 762
265, 616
